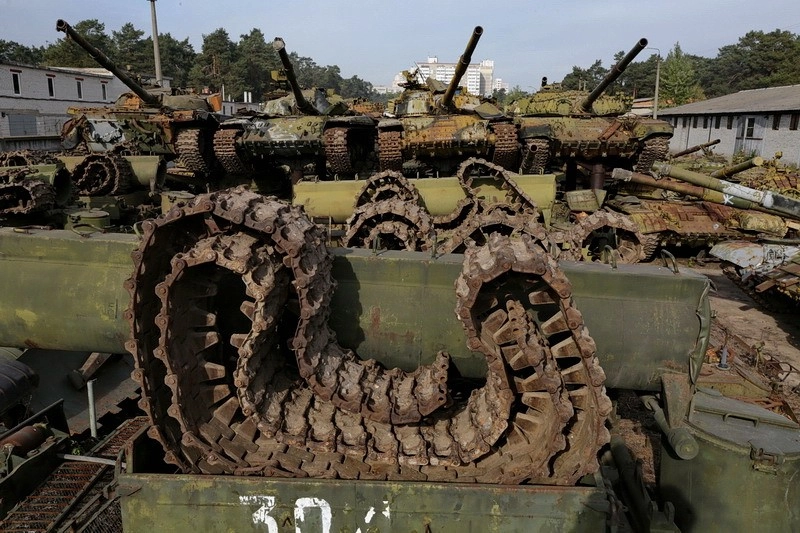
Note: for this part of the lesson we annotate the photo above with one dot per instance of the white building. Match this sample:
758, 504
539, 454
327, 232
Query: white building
756, 122
478, 79
34, 101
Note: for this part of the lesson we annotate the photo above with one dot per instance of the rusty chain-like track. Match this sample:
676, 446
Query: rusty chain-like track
506, 146
394, 222
19, 195
226, 395
390, 150
516, 199
225, 150
195, 150
622, 234
653, 149
337, 153
385, 185
103, 174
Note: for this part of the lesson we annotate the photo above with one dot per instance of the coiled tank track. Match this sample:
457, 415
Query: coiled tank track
268, 391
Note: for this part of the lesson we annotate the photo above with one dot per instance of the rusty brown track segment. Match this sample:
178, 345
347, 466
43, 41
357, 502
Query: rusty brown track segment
224, 396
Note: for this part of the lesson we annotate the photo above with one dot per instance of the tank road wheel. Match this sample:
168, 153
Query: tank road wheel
226, 394
589, 237
390, 150
392, 224
102, 174
386, 185
196, 150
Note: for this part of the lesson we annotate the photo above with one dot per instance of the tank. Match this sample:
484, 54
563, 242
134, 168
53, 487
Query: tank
312, 132
588, 134
176, 126
671, 211
431, 128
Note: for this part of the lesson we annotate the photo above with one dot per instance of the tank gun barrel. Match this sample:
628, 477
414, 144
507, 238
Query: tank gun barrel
105, 62
461, 67
612, 76
696, 148
779, 203
709, 195
280, 46
730, 170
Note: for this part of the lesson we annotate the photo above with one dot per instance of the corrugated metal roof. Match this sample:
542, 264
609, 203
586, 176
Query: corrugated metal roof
786, 98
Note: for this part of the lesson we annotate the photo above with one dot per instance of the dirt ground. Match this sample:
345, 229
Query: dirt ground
775, 336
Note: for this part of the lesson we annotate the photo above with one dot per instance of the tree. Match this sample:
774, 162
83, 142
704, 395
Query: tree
758, 60
213, 66
256, 61
587, 79
130, 50
18, 53
679, 82
639, 79
177, 58
65, 53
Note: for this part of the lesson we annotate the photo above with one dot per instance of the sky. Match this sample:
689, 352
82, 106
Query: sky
375, 39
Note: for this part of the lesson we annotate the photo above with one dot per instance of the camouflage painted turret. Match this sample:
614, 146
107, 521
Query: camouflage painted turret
312, 132
176, 127
588, 132
431, 128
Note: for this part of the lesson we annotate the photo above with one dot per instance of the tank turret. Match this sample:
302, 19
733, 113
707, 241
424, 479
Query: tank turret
302, 104
612, 76
102, 59
461, 67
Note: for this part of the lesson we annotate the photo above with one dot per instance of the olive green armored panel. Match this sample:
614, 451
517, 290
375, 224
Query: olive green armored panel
59, 290
217, 503
746, 476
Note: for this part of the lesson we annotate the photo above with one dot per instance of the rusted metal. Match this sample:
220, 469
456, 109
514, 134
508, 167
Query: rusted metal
378, 412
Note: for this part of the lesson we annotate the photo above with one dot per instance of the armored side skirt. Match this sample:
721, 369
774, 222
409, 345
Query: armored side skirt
60, 290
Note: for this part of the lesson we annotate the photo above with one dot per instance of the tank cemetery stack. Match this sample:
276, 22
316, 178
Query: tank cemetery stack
377, 334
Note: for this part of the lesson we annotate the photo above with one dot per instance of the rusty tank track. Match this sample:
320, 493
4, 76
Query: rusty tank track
225, 151
390, 150
103, 174
466, 209
337, 153
195, 150
385, 185
535, 157
517, 200
506, 146
626, 237
19, 196
494, 219
653, 149
224, 394
24, 158
396, 223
